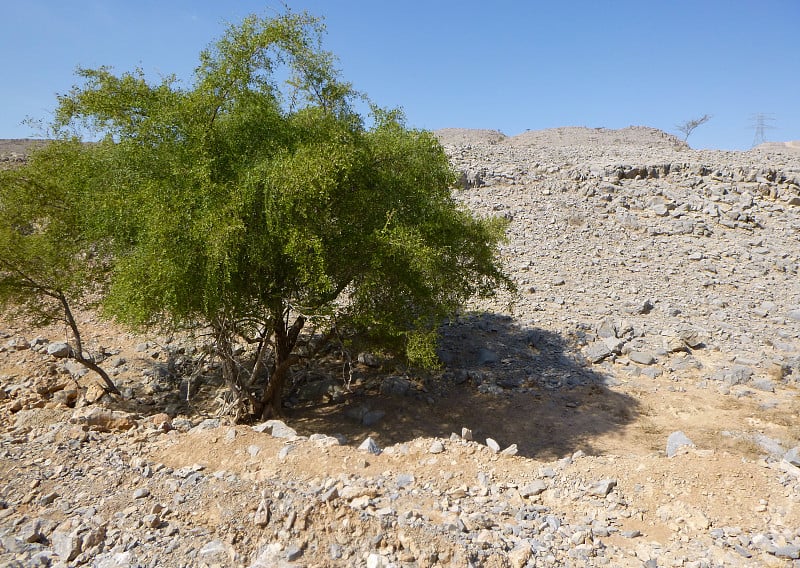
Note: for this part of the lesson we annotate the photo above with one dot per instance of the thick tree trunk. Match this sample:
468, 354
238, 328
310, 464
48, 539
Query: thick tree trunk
272, 399
285, 339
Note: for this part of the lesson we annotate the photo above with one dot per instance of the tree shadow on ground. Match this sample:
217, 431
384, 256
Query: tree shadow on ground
517, 385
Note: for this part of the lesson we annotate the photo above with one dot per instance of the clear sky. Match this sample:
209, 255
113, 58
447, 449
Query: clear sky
500, 64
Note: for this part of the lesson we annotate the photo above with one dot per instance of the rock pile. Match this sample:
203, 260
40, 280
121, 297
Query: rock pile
645, 252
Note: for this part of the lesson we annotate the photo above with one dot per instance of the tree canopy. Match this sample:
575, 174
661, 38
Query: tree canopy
257, 203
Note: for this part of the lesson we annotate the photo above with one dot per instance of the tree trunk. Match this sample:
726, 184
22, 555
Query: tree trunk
231, 371
285, 340
78, 351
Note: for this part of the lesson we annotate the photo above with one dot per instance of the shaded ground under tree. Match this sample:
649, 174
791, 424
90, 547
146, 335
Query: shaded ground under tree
518, 385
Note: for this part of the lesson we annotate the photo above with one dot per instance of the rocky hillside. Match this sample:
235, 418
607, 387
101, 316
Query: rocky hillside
13, 151
634, 404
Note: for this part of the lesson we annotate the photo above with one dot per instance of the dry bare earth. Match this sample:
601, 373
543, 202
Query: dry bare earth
658, 293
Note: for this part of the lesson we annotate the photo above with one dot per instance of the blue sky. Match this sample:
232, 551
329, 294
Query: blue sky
505, 65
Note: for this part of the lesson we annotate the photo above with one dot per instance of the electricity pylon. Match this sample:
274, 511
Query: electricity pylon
761, 122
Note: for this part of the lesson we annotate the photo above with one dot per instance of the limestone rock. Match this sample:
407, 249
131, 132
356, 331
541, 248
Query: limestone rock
59, 350
96, 418
370, 446
676, 441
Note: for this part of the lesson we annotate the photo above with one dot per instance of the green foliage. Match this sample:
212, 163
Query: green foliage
43, 246
255, 207
50, 259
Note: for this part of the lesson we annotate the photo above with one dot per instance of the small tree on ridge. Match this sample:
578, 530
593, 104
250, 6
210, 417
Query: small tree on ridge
686, 128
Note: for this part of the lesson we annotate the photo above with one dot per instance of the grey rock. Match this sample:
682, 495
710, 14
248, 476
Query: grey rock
396, 386
737, 375
262, 514
639, 308
369, 359
13, 545
466, 434
293, 552
279, 429
793, 456
492, 445
370, 446
742, 551
270, 556
765, 385
614, 344
436, 447
603, 487
377, 561
215, 551
769, 445
208, 424
75, 369
597, 351
642, 357
487, 357
676, 441
607, 329
59, 350
66, 543
652, 372
535, 487
692, 338
42, 558
788, 551
793, 314
141, 493
286, 450
335, 551
405, 480
48, 498
115, 560
372, 417
31, 531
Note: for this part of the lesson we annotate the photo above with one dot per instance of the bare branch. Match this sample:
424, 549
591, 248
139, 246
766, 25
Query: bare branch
686, 128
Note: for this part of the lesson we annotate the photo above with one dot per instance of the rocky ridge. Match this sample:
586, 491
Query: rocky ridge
635, 404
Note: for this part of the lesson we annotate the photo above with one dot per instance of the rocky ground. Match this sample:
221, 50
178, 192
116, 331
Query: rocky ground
635, 404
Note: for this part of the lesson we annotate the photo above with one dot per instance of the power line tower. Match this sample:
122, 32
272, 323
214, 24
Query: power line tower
761, 122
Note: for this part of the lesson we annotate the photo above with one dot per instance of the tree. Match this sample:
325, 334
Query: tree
686, 128
269, 212
47, 265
